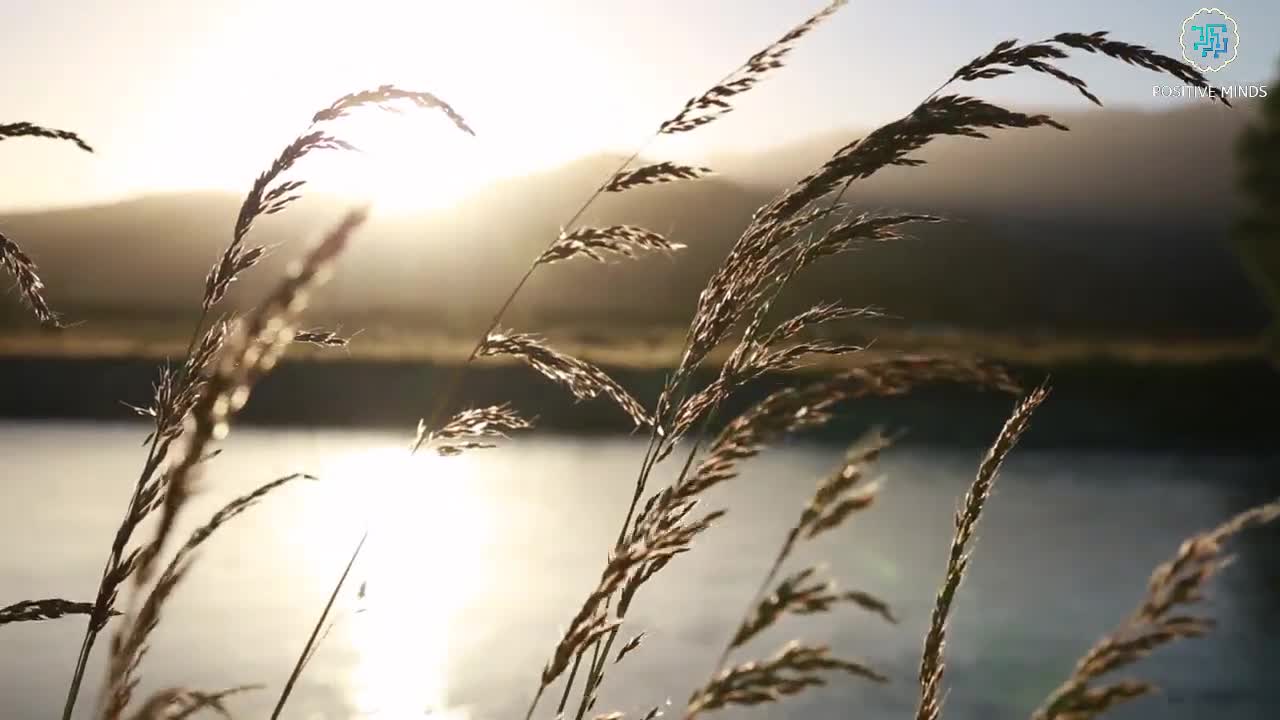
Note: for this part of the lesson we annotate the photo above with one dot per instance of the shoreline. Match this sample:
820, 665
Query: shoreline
1225, 407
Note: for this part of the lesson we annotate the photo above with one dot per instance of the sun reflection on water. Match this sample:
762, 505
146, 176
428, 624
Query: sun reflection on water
419, 569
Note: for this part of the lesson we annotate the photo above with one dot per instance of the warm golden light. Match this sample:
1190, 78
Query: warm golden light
407, 162
419, 568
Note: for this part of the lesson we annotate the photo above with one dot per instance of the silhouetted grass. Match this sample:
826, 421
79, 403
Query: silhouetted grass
12, 258
734, 331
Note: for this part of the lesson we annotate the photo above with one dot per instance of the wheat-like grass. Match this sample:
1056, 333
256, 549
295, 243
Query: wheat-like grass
584, 380
177, 703
802, 593
264, 198
26, 129
592, 621
1037, 56
18, 263
742, 282
836, 498
656, 174
628, 646
385, 97
196, 400
715, 102
269, 194
249, 353
176, 391
175, 395
736, 288
321, 338
796, 409
819, 314
30, 286
795, 668
573, 241
774, 248
932, 663
1176, 584
761, 263
46, 609
597, 242
791, 596
130, 644
811, 405
787, 411
473, 429
574, 374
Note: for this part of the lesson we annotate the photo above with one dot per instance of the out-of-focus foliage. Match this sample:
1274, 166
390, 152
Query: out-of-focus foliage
1258, 232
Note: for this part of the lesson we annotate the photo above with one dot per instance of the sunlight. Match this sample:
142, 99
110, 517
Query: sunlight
408, 162
420, 567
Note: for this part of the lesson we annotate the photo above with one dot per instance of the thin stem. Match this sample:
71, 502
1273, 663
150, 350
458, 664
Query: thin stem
596, 666
596, 676
101, 600
642, 481
598, 661
650, 458
926, 99
768, 580
533, 704
568, 685
315, 631
459, 373
149, 467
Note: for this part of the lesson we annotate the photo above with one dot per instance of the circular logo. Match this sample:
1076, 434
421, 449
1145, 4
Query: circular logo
1210, 39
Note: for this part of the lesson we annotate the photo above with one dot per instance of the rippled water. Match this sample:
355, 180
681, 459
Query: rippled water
476, 564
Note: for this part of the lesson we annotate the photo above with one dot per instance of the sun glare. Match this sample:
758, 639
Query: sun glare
420, 567
407, 162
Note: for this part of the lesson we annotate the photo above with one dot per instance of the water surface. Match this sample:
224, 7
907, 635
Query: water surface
476, 564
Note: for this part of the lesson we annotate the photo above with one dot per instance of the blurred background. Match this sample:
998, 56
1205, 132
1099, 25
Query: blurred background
1134, 261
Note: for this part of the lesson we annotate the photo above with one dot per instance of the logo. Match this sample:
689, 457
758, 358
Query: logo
1210, 39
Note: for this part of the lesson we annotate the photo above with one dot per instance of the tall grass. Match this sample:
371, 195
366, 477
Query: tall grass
18, 264
688, 445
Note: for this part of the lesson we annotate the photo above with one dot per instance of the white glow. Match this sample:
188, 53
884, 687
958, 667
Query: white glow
407, 162
419, 568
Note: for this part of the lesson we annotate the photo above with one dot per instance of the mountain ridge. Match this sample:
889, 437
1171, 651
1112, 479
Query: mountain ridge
1088, 230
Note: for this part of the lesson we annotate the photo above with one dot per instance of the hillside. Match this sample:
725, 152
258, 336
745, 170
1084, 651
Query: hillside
1117, 228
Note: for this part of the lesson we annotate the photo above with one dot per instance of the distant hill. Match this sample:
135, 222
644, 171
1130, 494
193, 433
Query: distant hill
1115, 228
1113, 165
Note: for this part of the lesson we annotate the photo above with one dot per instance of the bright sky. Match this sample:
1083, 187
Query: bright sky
179, 95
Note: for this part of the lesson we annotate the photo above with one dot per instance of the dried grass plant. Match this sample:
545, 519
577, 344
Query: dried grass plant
180, 392
1175, 585
807, 223
249, 354
12, 258
932, 665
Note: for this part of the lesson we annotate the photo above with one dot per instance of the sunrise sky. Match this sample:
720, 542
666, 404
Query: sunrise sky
179, 95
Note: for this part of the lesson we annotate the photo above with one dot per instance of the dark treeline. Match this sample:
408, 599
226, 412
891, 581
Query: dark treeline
1224, 408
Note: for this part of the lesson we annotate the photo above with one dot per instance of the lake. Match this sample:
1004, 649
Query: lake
477, 563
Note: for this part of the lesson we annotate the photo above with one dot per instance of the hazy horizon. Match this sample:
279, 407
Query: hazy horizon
735, 164
1035, 215
605, 76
